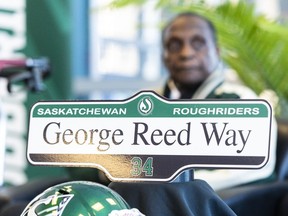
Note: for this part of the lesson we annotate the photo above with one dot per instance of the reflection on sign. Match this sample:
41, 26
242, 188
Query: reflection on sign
149, 138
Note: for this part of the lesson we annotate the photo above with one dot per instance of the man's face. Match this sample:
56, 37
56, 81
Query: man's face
190, 53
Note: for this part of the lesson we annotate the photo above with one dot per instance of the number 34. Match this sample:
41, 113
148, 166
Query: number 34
138, 167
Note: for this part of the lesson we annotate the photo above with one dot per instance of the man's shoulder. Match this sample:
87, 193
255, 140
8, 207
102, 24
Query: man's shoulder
233, 91
232, 87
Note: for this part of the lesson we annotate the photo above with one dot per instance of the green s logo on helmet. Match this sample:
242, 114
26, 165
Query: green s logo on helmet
78, 198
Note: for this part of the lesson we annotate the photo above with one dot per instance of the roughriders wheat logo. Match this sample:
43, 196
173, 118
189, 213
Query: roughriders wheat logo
51, 206
145, 106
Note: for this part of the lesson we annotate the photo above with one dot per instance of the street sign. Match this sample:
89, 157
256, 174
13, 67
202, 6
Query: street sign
149, 138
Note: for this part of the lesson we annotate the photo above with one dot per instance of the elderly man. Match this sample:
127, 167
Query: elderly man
191, 56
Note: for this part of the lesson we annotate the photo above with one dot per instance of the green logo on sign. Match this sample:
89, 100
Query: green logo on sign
145, 106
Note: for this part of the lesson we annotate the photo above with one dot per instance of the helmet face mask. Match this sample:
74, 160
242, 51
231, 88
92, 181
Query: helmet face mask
76, 198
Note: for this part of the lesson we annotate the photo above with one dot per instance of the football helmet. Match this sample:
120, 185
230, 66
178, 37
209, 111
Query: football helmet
79, 198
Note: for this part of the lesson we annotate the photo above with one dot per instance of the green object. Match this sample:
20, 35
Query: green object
76, 198
49, 34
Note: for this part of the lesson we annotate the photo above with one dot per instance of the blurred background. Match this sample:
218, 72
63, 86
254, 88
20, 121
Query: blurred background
104, 49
